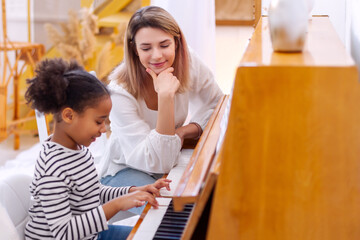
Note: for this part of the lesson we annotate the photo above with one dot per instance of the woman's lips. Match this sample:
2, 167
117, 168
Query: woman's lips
158, 65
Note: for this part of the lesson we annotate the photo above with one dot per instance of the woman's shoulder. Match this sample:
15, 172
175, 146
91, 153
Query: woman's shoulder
115, 85
120, 93
194, 57
198, 71
197, 66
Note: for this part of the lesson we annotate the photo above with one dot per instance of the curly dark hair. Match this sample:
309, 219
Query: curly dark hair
59, 84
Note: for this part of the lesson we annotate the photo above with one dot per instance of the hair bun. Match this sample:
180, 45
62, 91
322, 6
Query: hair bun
47, 91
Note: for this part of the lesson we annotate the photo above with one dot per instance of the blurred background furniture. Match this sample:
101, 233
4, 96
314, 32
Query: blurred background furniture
17, 57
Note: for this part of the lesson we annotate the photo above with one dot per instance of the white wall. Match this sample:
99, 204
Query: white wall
50, 11
197, 21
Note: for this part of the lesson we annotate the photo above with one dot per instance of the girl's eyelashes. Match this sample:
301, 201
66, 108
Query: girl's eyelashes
165, 46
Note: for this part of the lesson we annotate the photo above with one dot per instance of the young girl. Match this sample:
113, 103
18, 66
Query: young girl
157, 86
69, 201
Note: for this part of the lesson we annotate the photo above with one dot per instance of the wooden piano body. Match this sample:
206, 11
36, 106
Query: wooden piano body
289, 165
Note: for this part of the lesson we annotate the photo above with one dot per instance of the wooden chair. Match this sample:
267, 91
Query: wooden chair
26, 54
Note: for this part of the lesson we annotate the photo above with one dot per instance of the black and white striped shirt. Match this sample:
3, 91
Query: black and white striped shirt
67, 195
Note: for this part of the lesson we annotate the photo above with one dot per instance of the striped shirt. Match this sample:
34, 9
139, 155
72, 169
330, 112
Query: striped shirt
67, 195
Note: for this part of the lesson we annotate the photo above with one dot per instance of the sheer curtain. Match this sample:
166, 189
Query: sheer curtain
197, 21
355, 32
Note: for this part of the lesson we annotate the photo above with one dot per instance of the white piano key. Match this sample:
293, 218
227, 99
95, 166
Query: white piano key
151, 222
130, 221
144, 235
185, 156
175, 176
163, 201
176, 173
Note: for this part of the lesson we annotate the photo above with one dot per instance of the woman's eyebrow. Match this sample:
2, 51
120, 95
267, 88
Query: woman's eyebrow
166, 40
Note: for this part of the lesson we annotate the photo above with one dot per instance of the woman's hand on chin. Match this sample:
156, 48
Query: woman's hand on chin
165, 83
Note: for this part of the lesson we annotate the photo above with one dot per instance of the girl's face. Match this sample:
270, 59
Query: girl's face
90, 124
155, 48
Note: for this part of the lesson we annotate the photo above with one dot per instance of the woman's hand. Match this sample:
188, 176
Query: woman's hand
165, 83
155, 187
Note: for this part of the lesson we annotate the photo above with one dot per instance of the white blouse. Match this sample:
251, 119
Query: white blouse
135, 143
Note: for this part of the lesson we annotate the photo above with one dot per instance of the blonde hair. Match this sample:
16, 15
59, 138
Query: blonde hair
131, 73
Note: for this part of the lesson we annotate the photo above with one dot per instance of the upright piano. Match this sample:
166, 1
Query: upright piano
288, 166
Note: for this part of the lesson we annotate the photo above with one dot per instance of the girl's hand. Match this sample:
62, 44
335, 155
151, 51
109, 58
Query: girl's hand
165, 82
127, 201
155, 187
136, 199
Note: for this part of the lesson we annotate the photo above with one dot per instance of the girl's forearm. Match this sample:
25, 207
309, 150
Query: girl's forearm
111, 208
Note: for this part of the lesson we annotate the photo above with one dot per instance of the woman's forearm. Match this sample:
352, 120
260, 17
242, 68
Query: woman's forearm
190, 131
166, 114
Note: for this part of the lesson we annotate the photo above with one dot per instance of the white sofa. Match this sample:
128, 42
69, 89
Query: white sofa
15, 202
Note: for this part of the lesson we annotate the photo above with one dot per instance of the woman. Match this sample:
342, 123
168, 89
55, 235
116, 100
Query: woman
154, 89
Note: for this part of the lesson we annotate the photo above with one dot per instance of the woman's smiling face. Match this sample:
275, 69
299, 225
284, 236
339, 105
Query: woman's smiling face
155, 48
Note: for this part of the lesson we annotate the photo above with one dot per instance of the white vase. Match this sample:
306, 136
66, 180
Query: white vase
288, 22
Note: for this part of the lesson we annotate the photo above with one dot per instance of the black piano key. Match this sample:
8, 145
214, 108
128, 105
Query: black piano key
173, 223
176, 218
179, 214
167, 235
166, 238
167, 225
172, 228
169, 231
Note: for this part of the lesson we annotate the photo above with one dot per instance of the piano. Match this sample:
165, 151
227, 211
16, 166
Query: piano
179, 210
288, 166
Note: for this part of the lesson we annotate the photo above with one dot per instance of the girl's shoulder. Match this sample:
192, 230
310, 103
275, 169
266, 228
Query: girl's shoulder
52, 152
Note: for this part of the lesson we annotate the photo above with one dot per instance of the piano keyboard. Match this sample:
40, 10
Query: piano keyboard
173, 223
154, 217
